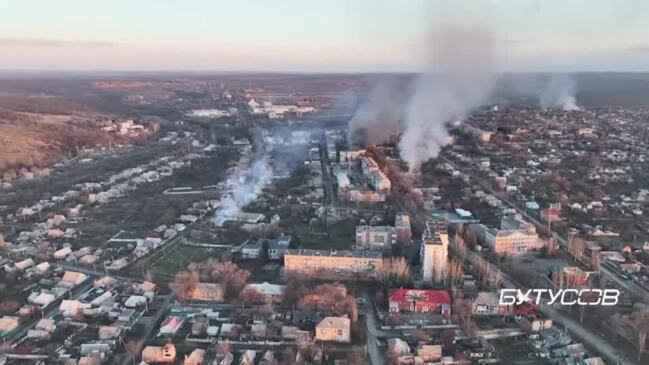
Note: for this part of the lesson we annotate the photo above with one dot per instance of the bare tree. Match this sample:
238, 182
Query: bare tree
640, 323
223, 347
454, 272
331, 298
576, 247
133, 348
184, 283
395, 270
250, 296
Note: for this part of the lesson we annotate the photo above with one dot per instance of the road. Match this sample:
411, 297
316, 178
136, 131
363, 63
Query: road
631, 287
327, 178
591, 340
151, 323
373, 331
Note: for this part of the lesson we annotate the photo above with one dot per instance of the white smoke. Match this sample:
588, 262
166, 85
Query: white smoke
459, 78
376, 119
249, 183
560, 92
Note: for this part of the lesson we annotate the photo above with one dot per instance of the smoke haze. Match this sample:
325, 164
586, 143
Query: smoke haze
560, 92
250, 182
459, 78
376, 119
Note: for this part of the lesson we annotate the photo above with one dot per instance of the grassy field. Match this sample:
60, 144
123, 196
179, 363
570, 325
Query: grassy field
182, 255
340, 235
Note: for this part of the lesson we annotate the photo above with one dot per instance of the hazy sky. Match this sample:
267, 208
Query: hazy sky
316, 35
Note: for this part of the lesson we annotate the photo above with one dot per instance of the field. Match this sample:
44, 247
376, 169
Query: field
338, 236
182, 255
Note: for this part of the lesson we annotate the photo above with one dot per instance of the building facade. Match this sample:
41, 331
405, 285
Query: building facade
422, 301
404, 231
515, 237
434, 251
303, 261
375, 237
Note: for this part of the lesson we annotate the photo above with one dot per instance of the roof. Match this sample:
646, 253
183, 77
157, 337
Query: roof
8, 324
253, 245
334, 322
375, 229
73, 276
550, 211
134, 301
172, 322
487, 298
428, 296
336, 253
266, 288
342, 179
207, 291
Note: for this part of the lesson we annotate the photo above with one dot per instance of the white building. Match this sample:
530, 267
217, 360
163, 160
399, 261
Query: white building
434, 251
272, 293
375, 237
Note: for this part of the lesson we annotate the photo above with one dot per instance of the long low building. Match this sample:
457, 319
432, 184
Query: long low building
303, 261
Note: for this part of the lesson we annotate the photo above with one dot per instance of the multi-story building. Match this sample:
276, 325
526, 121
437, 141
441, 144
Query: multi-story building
380, 182
377, 179
365, 196
375, 237
351, 155
515, 237
368, 165
402, 226
344, 185
434, 250
303, 261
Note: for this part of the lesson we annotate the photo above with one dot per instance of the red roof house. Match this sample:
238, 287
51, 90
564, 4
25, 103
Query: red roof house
550, 214
414, 300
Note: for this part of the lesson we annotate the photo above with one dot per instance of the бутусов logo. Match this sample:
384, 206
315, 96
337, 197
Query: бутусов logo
603, 297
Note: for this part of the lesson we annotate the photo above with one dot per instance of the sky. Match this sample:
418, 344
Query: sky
317, 35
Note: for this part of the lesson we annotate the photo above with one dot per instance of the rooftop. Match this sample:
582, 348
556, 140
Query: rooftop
336, 253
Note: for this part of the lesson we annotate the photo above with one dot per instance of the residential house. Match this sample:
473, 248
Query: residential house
333, 329
273, 293
207, 292
156, 354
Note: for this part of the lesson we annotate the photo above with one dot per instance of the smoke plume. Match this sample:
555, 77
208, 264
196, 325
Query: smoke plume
278, 152
459, 78
375, 120
249, 184
560, 92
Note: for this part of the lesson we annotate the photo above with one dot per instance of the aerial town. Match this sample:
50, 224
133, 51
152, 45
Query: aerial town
252, 231
422, 182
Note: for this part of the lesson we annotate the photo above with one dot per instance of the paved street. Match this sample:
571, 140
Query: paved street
373, 331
